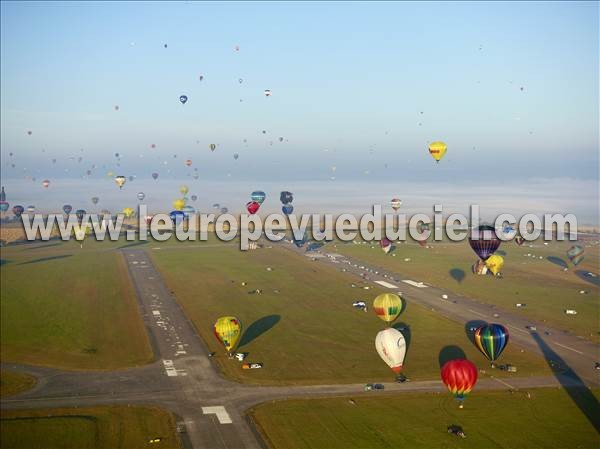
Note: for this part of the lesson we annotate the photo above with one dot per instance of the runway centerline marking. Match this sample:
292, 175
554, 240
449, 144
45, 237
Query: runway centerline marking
220, 411
570, 349
477, 313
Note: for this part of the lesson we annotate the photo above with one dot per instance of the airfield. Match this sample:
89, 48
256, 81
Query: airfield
98, 338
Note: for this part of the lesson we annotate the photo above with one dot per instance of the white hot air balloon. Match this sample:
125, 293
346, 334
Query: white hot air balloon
391, 347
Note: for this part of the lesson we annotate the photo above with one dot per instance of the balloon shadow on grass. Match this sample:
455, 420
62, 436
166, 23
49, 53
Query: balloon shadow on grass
450, 352
132, 244
404, 329
594, 279
470, 328
258, 328
579, 393
457, 274
500, 253
557, 261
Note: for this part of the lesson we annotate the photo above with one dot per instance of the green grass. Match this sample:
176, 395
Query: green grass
12, 382
67, 307
88, 428
542, 285
308, 332
548, 420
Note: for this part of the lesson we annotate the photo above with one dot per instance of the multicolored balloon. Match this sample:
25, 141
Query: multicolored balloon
18, 210
491, 339
391, 347
386, 245
120, 181
460, 376
519, 240
258, 196
46, 183
228, 330
212, 147
576, 254
387, 306
188, 162
177, 216
396, 203
486, 243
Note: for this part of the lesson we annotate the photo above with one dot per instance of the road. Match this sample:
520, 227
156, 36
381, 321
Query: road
212, 409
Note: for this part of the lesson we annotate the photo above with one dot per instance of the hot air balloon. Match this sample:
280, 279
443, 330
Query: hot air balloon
212, 147
95, 199
179, 204
486, 243
120, 180
128, 212
224, 210
576, 254
30, 209
183, 99
80, 233
396, 203
437, 150
460, 376
194, 197
188, 162
228, 330
240, 80
148, 219
252, 207
177, 216
287, 209
391, 347
286, 197
155, 176
519, 240
387, 306
216, 205
201, 77
268, 93
188, 210
2, 194
141, 196
258, 196
67, 208
29, 132
495, 263
236, 156
18, 210
4, 206
491, 339
184, 190
386, 245
79, 213
479, 268
46, 183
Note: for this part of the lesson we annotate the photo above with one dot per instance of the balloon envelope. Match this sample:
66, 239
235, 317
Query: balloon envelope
391, 347
252, 207
387, 306
18, 210
491, 339
437, 150
120, 181
286, 197
258, 196
183, 99
494, 263
486, 243
154, 175
287, 209
576, 254
460, 376
228, 330
141, 196
4, 206
179, 204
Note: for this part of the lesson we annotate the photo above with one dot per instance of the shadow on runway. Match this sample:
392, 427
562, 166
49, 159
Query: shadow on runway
557, 261
258, 328
450, 352
132, 244
457, 274
471, 326
45, 259
574, 385
594, 280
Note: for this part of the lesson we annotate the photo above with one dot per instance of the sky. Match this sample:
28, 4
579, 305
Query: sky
512, 88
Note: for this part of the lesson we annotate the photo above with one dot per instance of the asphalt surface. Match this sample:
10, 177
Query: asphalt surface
210, 410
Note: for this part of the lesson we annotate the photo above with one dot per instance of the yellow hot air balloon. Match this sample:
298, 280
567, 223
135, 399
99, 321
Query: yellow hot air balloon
179, 204
387, 306
494, 263
80, 233
437, 150
128, 212
228, 330
184, 190
120, 180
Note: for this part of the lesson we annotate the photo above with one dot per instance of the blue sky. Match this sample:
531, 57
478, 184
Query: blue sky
371, 83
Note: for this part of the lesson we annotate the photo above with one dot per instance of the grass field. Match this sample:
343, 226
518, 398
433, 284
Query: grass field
489, 419
67, 307
303, 327
541, 284
13, 383
88, 428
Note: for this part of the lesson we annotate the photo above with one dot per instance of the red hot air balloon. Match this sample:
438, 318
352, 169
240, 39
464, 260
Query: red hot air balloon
252, 207
460, 376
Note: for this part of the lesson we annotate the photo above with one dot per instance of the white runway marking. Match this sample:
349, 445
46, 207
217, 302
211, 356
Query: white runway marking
503, 383
414, 284
386, 284
221, 413
477, 313
517, 329
570, 349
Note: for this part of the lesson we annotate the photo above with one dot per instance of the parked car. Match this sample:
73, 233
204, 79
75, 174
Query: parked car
531, 328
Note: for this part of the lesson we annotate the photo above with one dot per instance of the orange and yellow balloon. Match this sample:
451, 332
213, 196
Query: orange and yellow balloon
387, 306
